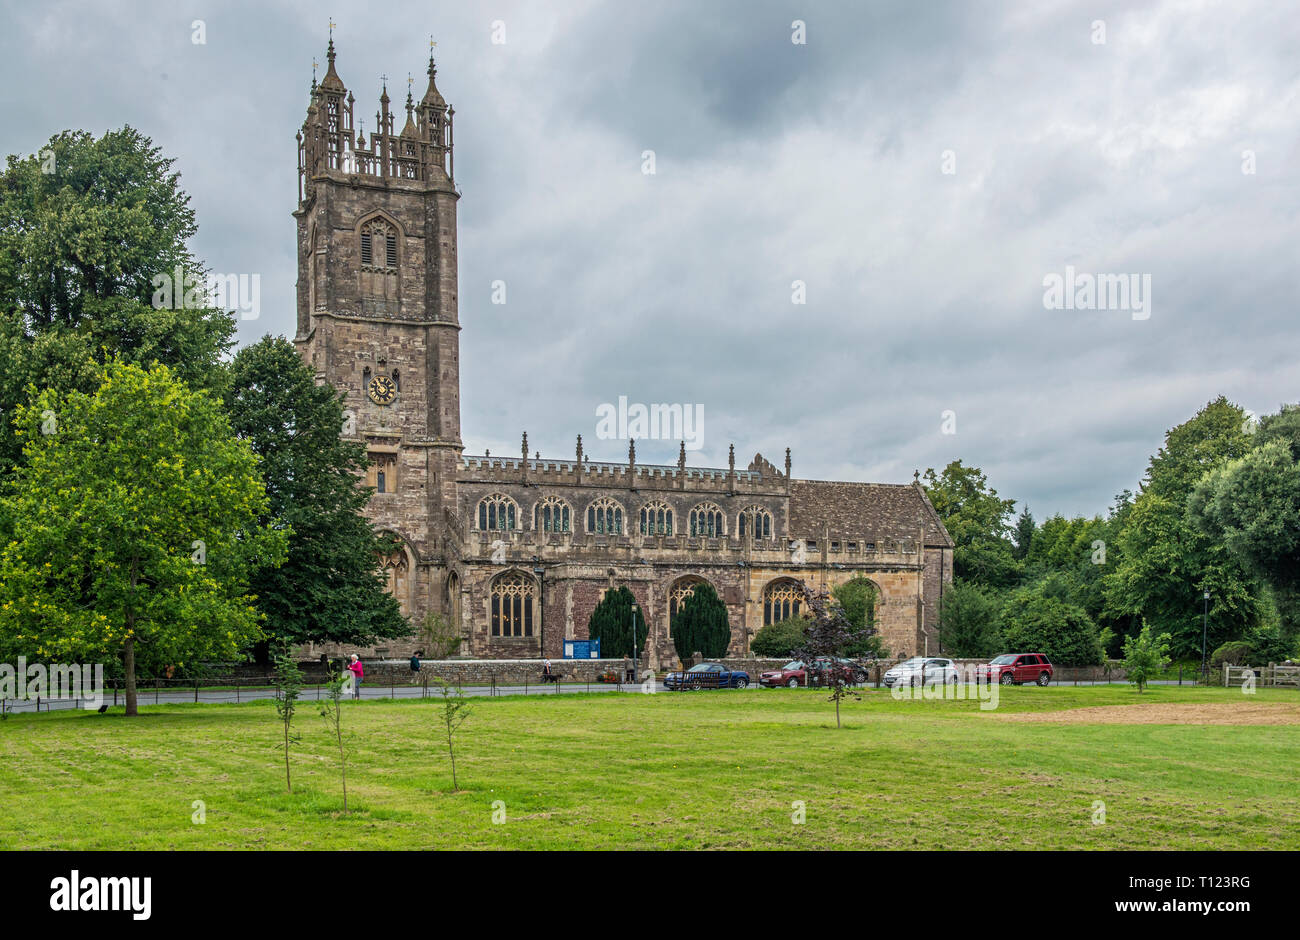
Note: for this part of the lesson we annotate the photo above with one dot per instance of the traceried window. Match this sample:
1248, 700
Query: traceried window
551, 515
682, 588
781, 601
497, 512
756, 521
707, 521
605, 517
656, 518
512, 604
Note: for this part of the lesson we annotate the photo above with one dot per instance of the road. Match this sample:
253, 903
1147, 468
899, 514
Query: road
149, 696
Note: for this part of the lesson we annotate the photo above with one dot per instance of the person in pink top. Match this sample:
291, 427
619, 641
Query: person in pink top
357, 673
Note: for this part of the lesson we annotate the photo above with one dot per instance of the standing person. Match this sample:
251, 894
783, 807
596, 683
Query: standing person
415, 660
357, 673
546, 670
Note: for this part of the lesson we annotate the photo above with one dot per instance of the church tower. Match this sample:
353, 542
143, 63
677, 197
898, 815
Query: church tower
377, 309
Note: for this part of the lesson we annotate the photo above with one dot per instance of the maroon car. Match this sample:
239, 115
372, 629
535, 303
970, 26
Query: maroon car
794, 673
1017, 669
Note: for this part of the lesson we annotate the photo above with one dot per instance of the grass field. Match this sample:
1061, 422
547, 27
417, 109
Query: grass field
689, 770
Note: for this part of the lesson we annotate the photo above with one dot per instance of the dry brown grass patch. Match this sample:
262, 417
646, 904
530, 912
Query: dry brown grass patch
1206, 713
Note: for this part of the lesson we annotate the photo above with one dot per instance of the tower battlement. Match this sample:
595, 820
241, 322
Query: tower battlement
329, 142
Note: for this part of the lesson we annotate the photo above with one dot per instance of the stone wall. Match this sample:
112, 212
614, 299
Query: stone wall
517, 671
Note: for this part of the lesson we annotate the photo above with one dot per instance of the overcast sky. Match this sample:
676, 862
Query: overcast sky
822, 162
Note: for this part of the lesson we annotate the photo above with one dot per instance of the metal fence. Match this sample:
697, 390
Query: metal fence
235, 690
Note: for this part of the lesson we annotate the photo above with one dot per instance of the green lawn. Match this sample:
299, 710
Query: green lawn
700, 770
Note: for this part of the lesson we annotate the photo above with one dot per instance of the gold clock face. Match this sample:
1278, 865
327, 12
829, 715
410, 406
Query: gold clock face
381, 390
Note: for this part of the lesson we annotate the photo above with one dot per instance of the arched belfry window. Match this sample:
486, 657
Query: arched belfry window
380, 255
378, 245
605, 517
551, 515
656, 518
497, 512
707, 521
755, 521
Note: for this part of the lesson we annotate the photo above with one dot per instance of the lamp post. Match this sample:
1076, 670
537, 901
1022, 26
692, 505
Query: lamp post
635, 671
1205, 629
541, 604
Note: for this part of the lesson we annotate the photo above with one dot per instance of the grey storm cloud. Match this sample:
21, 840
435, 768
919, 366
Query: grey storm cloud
820, 163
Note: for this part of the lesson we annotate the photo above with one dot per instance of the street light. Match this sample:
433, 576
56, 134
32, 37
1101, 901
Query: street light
635, 671
1205, 627
541, 604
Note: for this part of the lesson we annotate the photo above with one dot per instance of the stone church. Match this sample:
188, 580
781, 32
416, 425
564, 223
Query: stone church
517, 551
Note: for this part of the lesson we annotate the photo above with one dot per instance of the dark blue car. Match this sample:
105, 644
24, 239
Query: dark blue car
706, 676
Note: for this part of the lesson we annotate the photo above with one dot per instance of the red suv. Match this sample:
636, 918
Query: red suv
1017, 668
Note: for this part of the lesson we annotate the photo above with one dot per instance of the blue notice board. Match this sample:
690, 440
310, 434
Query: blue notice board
582, 649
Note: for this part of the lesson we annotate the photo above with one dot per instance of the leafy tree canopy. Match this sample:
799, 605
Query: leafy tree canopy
978, 521
331, 588
135, 521
85, 226
701, 625
611, 623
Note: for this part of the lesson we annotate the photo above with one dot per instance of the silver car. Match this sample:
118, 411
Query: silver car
922, 670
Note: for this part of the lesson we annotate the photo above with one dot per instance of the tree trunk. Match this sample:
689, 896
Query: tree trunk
128, 667
343, 764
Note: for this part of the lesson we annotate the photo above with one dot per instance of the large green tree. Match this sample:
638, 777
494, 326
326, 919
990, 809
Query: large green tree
1166, 561
1033, 621
134, 523
979, 522
331, 588
611, 623
858, 597
701, 625
1252, 505
969, 620
86, 225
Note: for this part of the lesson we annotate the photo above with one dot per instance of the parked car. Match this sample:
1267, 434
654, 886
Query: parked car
1017, 668
921, 670
794, 674
707, 676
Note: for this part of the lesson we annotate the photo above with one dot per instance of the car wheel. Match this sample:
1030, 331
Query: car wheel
1008, 679
1044, 678
793, 684
742, 683
696, 685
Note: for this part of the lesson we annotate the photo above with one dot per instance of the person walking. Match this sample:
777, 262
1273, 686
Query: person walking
546, 670
357, 673
415, 660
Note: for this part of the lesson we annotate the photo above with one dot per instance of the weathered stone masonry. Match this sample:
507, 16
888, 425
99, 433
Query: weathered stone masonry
377, 302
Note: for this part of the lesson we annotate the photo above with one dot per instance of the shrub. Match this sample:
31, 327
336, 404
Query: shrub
779, 639
1234, 653
1033, 622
